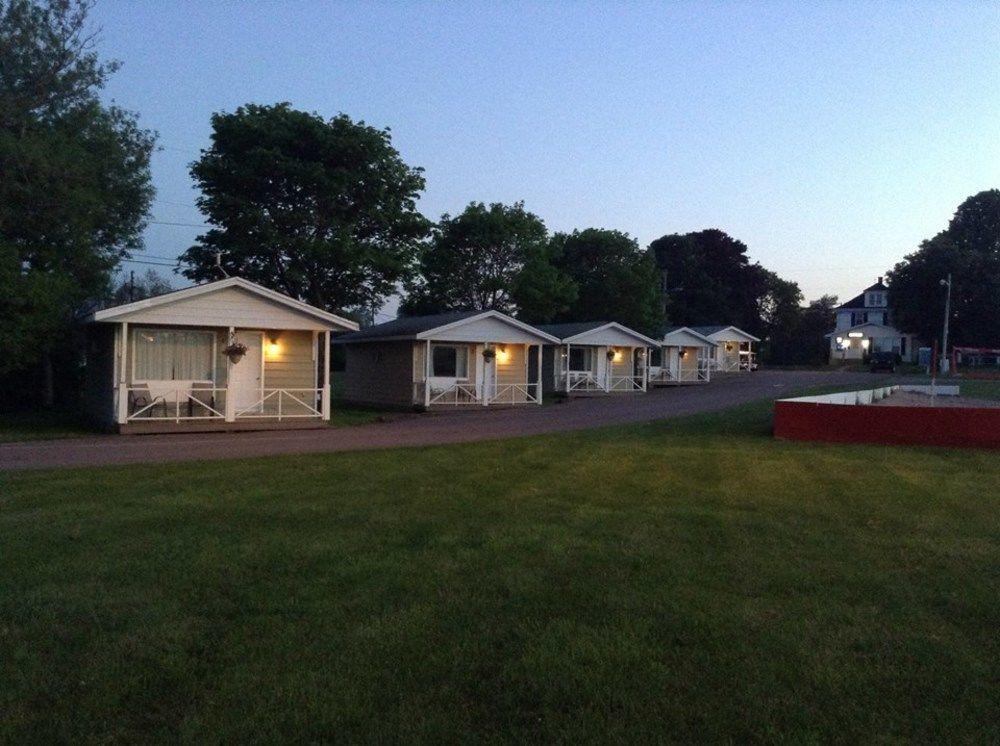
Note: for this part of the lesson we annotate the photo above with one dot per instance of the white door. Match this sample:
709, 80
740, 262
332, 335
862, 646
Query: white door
246, 382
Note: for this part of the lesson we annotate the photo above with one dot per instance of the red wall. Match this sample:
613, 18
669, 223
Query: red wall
845, 423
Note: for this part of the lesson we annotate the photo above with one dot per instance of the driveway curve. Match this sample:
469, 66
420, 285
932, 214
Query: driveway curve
423, 429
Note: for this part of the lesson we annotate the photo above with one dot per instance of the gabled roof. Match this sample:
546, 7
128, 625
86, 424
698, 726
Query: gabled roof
858, 301
671, 334
710, 331
576, 331
426, 327
110, 314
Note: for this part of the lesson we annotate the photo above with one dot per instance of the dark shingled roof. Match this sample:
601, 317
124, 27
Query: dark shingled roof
406, 327
858, 301
562, 331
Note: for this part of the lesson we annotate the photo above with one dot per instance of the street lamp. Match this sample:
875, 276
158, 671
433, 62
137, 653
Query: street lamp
945, 363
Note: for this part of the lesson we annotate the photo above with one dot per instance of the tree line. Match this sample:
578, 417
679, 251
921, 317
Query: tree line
325, 210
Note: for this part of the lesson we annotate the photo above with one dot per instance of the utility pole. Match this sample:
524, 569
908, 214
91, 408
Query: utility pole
947, 313
131, 286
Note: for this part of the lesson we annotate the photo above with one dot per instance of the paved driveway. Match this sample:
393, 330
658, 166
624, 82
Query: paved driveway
426, 429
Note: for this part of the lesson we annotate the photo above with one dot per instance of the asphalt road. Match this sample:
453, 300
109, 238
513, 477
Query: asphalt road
424, 429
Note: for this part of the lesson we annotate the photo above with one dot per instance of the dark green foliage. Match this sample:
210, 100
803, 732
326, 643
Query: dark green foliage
615, 280
488, 258
323, 211
970, 250
147, 285
74, 182
692, 581
799, 339
707, 278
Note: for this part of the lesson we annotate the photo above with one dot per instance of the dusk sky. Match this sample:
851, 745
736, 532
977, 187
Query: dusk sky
831, 138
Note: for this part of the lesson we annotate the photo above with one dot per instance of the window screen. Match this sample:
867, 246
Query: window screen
450, 361
173, 355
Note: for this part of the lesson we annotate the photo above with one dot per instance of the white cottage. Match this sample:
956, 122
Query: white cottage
681, 356
220, 356
734, 351
464, 358
595, 357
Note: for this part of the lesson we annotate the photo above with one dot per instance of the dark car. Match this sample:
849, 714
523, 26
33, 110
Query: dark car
882, 361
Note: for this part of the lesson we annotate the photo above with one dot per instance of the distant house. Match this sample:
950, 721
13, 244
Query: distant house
595, 357
734, 350
225, 355
464, 358
864, 325
681, 356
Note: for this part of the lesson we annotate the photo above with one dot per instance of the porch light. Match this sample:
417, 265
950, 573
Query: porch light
865, 343
840, 341
502, 355
617, 356
273, 348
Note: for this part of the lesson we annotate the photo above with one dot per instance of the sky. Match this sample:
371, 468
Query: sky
831, 138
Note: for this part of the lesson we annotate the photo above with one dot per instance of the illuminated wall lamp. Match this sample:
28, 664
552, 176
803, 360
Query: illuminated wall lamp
273, 348
502, 355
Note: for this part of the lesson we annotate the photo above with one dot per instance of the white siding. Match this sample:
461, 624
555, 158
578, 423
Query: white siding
226, 307
486, 330
609, 337
684, 339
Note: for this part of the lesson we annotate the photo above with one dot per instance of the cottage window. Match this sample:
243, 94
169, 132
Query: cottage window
450, 361
656, 357
173, 355
581, 359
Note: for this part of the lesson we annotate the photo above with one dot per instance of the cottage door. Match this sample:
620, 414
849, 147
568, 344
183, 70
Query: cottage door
247, 376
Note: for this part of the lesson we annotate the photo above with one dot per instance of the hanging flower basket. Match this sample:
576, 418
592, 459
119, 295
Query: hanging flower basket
611, 354
235, 351
489, 354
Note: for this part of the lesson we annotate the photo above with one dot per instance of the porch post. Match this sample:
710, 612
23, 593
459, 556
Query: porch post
427, 375
645, 368
123, 377
567, 367
538, 377
326, 375
230, 402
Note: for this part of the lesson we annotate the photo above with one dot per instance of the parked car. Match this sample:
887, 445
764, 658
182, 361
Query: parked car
882, 361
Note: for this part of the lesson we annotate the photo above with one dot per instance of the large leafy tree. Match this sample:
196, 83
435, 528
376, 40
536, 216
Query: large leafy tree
707, 278
615, 280
322, 210
489, 258
74, 182
969, 249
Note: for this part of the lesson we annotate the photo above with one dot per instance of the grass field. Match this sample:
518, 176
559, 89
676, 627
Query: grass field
694, 580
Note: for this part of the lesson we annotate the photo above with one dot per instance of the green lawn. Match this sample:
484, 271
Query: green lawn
694, 580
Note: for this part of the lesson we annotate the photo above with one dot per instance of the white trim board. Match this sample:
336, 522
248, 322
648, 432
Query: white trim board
330, 320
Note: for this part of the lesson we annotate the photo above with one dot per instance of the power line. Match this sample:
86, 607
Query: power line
185, 225
178, 204
152, 264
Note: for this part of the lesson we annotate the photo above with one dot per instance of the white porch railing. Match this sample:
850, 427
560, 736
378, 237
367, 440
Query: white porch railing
625, 383
702, 374
159, 404
514, 393
469, 394
456, 394
581, 381
281, 404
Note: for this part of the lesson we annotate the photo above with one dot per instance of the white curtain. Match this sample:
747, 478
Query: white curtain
173, 355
